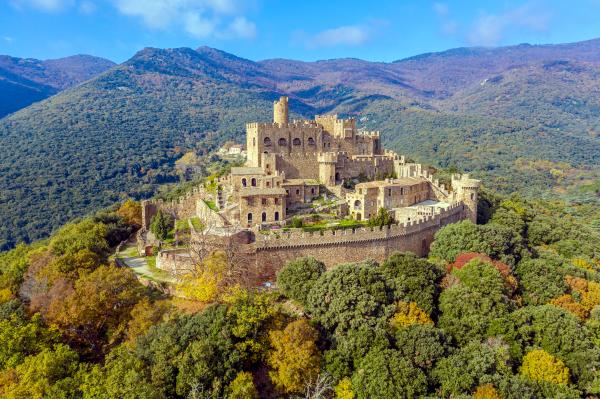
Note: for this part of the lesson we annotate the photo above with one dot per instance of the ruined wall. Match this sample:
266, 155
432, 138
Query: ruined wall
182, 208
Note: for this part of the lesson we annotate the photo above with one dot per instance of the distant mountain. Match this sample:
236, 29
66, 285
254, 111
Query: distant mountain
523, 117
24, 81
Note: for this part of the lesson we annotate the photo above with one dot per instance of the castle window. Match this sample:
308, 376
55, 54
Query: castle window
297, 192
253, 182
311, 141
268, 184
276, 201
472, 196
249, 218
267, 141
253, 141
389, 192
287, 192
282, 142
296, 141
264, 216
312, 190
357, 205
244, 182
276, 216
264, 201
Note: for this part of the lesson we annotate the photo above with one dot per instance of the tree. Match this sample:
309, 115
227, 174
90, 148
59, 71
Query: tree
541, 280
540, 365
343, 390
49, 374
144, 315
349, 296
469, 308
383, 218
407, 314
297, 277
423, 345
295, 358
412, 279
77, 236
242, 387
486, 391
161, 224
387, 375
20, 338
497, 241
131, 211
467, 368
568, 303
98, 308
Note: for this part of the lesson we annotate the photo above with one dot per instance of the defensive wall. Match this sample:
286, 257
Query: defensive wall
182, 208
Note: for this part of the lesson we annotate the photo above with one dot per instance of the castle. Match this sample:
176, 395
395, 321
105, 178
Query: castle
302, 168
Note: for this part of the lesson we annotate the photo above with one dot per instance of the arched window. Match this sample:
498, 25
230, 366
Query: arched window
253, 182
337, 176
311, 141
249, 218
296, 141
282, 142
312, 190
357, 204
276, 216
244, 182
264, 216
267, 141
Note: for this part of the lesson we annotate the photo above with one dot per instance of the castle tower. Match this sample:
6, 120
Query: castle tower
467, 190
280, 111
327, 163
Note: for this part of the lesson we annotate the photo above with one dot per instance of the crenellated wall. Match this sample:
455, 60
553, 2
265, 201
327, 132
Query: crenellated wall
181, 208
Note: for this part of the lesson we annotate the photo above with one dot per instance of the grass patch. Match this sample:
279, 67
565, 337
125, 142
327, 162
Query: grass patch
196, 223
211, 205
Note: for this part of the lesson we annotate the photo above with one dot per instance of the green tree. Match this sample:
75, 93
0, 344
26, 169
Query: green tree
82, 235
382, 218
388, 375
423, 345
541, 279
472, 365
161, 224
412, 279
468, 308
297, 277
497, 241
349, 296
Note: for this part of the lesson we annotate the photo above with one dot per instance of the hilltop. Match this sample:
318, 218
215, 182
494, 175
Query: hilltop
24, 81
522, 118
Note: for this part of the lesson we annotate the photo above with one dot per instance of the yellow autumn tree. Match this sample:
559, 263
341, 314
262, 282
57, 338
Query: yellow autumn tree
242, 387
295, 358
131, 211
204, 284
343, 390
408, 313
568, 303
591, 297
486, 391
541, 366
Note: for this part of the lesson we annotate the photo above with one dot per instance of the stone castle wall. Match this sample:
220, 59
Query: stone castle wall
346, 246
182, 208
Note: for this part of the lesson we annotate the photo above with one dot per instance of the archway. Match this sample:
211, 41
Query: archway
276, 216
244, 182
264, 217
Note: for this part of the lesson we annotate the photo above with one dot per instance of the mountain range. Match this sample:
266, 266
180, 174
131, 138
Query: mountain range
524, 118
24, 81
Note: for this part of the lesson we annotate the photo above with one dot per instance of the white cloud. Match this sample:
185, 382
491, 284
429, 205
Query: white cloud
350, 35
87, 7
489, 29
8, 39
43, 5
441, 9
199, 18
241, 27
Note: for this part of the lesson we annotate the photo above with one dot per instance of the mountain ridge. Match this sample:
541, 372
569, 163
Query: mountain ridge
119, 133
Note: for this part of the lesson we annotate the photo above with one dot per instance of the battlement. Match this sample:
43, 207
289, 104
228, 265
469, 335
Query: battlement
296, 123
300, 238
327, 157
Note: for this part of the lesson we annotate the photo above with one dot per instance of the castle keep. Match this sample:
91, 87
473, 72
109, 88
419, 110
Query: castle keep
323, 169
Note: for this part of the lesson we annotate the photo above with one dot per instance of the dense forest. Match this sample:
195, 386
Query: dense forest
507, 308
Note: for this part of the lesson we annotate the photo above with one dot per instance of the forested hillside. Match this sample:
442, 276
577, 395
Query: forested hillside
522, 118
24, 81
509, 308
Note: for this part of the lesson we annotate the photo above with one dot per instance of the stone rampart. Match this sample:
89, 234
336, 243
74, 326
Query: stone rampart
182, 208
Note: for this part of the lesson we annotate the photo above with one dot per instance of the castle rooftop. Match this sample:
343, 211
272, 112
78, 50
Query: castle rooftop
246, 170
250, 192
403, 181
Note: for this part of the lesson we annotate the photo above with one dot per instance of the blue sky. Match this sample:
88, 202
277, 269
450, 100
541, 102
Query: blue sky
306, 30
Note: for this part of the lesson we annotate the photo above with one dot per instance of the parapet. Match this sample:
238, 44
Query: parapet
327, 157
